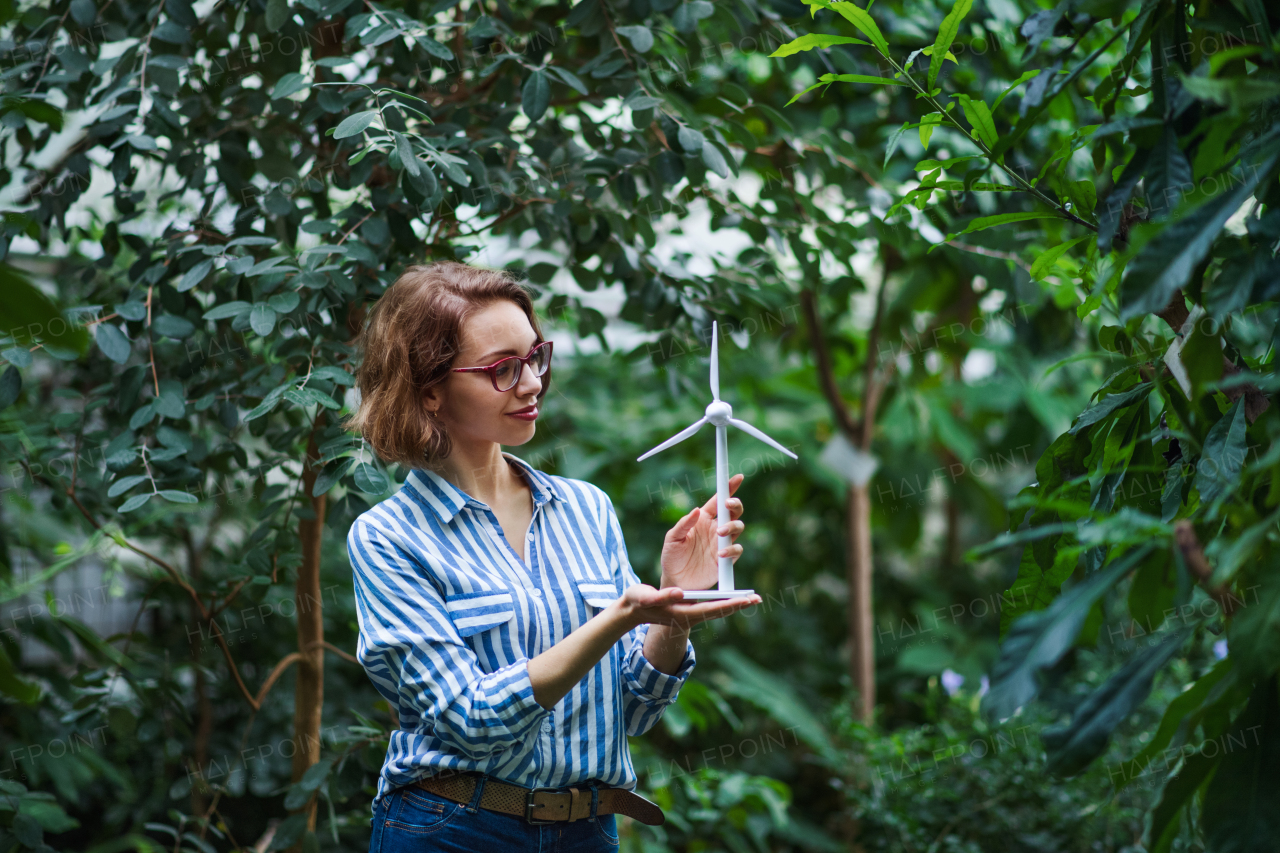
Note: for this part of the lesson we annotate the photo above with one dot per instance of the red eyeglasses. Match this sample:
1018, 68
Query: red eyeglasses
505, 372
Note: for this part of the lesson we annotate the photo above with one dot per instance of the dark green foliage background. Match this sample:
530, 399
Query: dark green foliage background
185, 266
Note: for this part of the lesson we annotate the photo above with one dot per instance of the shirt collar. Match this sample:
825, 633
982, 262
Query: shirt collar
447, 500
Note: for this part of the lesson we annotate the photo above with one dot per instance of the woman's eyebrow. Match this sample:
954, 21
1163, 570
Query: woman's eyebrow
507, 351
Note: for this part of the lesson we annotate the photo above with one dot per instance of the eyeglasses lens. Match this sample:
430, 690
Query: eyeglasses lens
508, 372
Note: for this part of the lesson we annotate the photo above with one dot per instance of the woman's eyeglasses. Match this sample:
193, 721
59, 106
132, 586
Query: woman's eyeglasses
505, 372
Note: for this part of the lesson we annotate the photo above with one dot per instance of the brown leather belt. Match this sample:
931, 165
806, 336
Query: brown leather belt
542, 805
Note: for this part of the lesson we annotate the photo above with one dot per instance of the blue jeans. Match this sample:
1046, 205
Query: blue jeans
411, 820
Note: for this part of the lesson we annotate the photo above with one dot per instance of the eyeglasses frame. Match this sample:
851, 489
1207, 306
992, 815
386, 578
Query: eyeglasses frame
524, 360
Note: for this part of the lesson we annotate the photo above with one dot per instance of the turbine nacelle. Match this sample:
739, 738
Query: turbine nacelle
719, 413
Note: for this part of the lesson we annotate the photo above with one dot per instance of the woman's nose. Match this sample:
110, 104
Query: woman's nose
529, 383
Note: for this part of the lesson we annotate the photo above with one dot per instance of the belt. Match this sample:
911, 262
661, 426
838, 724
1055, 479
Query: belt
543, 805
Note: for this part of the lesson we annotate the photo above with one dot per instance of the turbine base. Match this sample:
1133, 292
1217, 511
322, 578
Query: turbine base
714, 594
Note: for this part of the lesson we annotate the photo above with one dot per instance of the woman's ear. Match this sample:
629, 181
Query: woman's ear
432, 400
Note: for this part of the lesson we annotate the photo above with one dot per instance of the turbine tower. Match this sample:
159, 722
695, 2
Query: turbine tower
719, 414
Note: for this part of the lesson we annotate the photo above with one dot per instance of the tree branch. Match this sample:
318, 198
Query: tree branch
826, 375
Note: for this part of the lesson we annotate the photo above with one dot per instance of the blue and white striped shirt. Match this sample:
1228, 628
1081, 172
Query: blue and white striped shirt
450, 618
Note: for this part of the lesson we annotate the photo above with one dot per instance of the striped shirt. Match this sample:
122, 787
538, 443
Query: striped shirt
450, 617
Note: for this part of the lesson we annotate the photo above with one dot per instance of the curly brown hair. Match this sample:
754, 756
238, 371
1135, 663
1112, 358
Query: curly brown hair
408, 344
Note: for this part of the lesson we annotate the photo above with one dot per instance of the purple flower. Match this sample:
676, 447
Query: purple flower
1220, 649
951, 681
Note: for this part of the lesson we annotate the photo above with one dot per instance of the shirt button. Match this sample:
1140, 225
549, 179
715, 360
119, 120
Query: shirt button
537, 593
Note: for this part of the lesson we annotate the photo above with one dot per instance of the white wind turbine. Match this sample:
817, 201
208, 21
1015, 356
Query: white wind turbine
720, 414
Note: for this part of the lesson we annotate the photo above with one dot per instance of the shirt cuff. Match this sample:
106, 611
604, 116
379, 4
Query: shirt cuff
647, 682
513, 692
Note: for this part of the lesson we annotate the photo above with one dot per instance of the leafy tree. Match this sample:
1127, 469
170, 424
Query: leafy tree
1152, 212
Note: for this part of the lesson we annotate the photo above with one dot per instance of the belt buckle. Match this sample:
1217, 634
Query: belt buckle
530, 805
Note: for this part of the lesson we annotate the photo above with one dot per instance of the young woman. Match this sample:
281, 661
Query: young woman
498, 613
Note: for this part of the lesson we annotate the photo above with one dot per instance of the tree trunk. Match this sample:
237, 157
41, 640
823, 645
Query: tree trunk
862, 657
308, 696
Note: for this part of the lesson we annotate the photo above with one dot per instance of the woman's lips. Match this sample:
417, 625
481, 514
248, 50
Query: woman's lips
530, 415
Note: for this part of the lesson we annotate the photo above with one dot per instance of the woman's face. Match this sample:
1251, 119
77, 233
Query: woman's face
468, 406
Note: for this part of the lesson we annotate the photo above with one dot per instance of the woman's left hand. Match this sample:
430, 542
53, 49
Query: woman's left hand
690, 553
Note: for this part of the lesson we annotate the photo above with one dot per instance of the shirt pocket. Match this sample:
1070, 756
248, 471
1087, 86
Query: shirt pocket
473, 612
597, 594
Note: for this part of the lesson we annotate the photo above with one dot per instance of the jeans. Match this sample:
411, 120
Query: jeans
411, 820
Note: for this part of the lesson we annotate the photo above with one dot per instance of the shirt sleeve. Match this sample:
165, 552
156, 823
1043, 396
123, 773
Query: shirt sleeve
416, 658
647, 691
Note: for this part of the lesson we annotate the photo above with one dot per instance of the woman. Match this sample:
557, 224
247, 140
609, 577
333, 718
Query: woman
498, 613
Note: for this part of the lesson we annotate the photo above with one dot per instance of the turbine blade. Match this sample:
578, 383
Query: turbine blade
675, 439
750, 430
715, 360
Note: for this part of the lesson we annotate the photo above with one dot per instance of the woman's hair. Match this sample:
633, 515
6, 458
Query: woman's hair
408, 344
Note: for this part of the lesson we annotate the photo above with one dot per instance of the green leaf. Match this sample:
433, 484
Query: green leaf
773, 694
277, 14
811, 41
1201, 357
1026, 75
112, 342
330, 476
27, 314
124, 484
571, 79
641, 38
262, 319
714, 159
1218, 470
309, 396
288, 85
302, 790
1255, 634
1168, 174
982, 223
369, 479
1109, 405
432, 47
535, 95
690, 140
978, 115
1241, 809
135, 502
856, 16
227, 310
1164, 822
1038, 640
1047, 259
1072, 747
1113, 207
283, 303
946, 35
83, 12
178, 497
927, 125
1165, 263
10, 386
407, 158
859, 78
28, 693
354, 125
194, 276
173, 326
893, 142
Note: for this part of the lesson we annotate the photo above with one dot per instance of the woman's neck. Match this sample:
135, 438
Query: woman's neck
483, 474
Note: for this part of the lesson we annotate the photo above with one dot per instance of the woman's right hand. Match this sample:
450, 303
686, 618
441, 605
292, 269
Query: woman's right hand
642, 603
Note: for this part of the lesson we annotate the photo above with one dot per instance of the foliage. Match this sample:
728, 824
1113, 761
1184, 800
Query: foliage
1168, 476
236, 182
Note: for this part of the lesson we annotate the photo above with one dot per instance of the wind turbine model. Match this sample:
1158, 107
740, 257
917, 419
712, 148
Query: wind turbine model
720, 414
